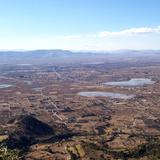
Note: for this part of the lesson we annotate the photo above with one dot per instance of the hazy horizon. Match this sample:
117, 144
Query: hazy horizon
96, 51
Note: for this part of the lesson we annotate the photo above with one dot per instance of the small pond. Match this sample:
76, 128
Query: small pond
28, 82
39, 89
135, 82
105, 94
5, 86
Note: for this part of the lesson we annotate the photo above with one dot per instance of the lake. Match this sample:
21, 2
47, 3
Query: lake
134, 82
39, 89
5, 85
105, 94
28, 82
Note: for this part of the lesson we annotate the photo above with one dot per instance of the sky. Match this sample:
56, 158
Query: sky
79, 24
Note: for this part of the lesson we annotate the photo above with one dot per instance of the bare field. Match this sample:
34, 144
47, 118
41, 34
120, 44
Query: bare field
111, 128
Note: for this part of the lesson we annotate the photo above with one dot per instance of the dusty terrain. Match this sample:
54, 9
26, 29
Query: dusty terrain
86, 128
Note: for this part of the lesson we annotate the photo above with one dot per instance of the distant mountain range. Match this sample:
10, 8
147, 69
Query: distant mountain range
69, 57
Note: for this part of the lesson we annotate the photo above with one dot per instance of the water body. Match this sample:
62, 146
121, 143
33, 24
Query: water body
5, 86
95, 63
106, 94
28, 82
135, 82
24, 64
37, 89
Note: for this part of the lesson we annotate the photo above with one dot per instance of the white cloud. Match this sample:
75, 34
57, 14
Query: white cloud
131, 31
125, 39
126, 32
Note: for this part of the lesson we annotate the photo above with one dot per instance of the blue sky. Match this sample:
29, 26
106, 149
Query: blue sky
80, 24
